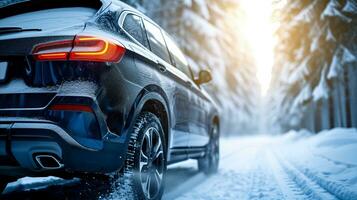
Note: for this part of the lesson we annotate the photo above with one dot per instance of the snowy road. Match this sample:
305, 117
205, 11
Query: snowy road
321, 167
295, 166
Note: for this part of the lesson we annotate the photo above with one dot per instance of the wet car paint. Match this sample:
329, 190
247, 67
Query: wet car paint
117, 93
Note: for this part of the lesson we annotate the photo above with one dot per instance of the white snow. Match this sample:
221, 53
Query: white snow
306, 15
314, 45
342, 56
19, 86
329, 160
198, 23
304, 95
335, 66
36, 183
203, 8
350, 7
297, 165
321, 90
187, 3
51, 19
347, 56
332, 10
329, 36
88, 88
300, 71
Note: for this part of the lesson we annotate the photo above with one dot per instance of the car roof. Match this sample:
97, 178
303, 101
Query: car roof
126, 7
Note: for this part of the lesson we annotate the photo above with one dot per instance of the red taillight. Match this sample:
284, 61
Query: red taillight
74, 108
83, 48
95, 49
53, 50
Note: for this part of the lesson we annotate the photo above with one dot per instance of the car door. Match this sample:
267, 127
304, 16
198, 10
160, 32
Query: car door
179, 98
194, 109
200, 111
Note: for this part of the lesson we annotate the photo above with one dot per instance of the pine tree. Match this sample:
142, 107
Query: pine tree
315, 54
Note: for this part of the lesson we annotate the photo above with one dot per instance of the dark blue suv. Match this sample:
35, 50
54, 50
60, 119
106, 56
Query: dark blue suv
95, 87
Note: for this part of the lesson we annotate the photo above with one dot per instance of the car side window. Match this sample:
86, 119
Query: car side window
178, 58
156, 41
133, 24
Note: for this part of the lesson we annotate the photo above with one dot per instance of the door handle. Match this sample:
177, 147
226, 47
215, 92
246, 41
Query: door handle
162, 67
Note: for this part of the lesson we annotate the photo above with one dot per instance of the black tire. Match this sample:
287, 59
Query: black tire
144, 163
210, 162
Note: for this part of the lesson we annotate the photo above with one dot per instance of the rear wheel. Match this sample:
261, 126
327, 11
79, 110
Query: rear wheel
209, 163
145, 166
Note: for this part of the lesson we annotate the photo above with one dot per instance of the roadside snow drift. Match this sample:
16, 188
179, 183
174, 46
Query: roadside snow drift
328, 159
297, 165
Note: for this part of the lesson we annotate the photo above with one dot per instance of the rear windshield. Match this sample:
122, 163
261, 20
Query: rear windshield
15, 7
50, 18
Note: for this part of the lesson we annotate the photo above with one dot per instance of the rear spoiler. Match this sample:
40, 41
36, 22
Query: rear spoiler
14, 7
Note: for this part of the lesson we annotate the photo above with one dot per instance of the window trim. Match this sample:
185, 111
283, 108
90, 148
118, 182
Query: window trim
166, 35
121, 20
121, 26
163, 37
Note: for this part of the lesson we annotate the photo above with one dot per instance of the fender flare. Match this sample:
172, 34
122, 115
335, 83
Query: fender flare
150, 92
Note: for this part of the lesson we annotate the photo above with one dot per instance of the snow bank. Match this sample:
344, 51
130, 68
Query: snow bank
37, 183
328, 159
293, 136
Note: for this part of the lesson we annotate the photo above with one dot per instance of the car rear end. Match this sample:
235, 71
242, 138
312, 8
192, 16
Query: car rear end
49, 72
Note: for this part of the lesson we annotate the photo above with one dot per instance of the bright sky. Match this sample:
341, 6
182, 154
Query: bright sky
259, 33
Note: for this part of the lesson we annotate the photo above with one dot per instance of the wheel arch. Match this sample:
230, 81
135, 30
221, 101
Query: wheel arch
158, 109
152, 99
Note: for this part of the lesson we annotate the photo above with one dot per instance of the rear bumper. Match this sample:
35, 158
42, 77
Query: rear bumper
22, 141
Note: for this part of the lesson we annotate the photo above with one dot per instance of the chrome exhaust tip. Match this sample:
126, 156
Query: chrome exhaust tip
48, 162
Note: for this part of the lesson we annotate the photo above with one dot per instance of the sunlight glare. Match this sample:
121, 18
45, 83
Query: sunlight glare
258, 29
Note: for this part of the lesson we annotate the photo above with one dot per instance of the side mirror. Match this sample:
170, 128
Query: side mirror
203, 77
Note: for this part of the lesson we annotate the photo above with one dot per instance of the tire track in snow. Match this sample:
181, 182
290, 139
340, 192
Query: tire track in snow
194, 181
200, 178
263, 184
226, 184
310, 188
334, 188
243, 176
290, 189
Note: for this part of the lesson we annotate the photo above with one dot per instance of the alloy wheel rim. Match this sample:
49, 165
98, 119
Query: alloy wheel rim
151, 163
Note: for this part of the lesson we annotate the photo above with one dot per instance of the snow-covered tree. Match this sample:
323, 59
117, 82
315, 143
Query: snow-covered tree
314, 83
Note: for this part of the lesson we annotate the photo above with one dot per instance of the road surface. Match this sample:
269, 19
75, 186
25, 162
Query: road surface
250, 168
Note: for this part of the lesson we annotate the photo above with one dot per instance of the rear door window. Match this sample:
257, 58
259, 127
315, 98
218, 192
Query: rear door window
133, 24
178, 58
156, 41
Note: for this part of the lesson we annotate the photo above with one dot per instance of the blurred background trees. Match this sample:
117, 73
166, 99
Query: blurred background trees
208, 33
314, 82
